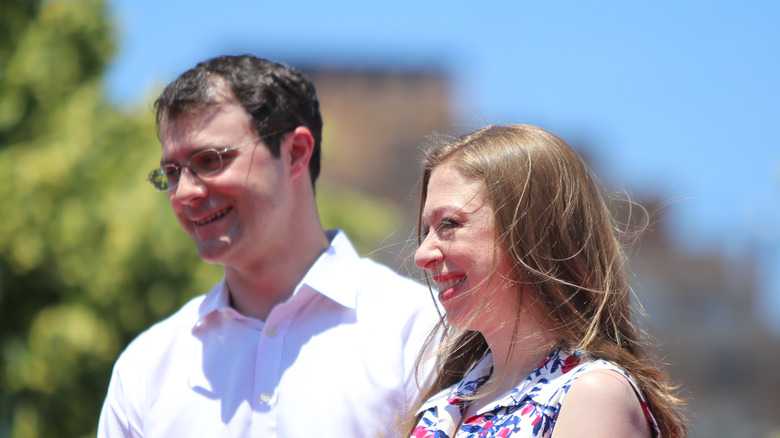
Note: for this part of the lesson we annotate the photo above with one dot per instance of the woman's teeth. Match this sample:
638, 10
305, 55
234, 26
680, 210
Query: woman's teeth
449, 284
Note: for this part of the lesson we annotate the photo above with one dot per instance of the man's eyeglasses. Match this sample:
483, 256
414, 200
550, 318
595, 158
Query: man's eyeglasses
204, 163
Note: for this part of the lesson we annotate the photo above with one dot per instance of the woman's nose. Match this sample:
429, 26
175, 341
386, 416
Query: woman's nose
428, 254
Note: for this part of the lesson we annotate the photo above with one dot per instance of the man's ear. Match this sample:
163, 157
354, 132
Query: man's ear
301, 148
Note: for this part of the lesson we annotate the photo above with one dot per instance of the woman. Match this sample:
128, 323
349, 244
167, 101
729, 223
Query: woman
538, 338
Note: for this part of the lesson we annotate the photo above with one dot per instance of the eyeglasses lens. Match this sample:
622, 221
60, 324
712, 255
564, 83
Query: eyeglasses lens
205, 163
158, 179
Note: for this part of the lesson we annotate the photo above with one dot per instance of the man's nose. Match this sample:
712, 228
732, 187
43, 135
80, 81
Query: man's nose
190, 188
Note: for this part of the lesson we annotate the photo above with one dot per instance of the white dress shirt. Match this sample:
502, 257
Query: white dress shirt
337, 359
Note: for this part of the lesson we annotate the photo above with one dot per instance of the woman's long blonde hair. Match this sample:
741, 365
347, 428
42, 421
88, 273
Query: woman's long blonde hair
553, 223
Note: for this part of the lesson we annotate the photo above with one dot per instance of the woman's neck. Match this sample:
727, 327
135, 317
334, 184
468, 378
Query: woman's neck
510, 367
517, 348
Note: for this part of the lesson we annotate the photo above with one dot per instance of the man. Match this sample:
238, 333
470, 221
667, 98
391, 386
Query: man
302, 337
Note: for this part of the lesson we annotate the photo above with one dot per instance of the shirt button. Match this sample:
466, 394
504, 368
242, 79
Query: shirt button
265, 398
272, 332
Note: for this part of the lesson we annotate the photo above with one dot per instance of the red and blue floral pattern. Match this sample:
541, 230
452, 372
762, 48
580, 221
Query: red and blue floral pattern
529, 410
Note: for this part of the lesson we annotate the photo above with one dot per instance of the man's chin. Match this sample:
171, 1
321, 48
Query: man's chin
214, 251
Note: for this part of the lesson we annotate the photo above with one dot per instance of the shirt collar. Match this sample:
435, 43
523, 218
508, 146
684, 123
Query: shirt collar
218, 299
335, 274
556, 364
451, 395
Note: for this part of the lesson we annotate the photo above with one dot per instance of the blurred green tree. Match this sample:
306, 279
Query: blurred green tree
89, 254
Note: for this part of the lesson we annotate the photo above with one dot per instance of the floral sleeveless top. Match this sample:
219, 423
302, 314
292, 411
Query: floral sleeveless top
529, 410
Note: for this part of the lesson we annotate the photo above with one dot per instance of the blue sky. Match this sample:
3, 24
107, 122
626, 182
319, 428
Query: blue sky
679, 100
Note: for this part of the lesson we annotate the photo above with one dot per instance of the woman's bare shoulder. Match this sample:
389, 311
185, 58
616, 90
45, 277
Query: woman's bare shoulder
601, 403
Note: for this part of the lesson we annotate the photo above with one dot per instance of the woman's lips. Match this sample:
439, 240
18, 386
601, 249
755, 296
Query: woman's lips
447, 288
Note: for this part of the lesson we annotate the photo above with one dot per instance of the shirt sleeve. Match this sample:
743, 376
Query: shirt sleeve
121, 415
419, 328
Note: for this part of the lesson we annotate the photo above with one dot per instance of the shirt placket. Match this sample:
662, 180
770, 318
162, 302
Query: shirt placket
268, 368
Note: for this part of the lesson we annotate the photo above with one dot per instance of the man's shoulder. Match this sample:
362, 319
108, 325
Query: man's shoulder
383, 277
386, 294
185, 317
169, 329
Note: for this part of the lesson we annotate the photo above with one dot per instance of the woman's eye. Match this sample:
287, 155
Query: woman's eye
441, 226
447, 224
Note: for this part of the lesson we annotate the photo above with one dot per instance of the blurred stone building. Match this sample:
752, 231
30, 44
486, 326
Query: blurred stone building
377, 123
701, 307
703, 310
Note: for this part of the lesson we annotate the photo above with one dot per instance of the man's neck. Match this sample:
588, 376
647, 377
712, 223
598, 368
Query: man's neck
256, 289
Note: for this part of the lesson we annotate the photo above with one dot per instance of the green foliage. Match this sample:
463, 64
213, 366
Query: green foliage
368, 222
89, 254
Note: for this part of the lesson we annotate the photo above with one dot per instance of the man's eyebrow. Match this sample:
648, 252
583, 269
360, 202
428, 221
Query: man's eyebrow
168, 160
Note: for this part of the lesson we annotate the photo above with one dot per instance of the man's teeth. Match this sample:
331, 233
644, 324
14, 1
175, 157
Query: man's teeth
448, 284
211, 218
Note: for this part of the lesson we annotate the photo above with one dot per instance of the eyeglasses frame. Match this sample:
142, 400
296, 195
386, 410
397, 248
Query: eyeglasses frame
180, 167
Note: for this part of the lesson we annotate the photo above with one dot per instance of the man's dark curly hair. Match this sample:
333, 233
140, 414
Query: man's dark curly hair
278, 98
